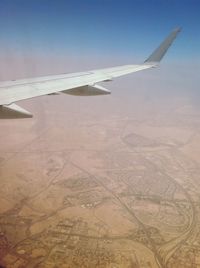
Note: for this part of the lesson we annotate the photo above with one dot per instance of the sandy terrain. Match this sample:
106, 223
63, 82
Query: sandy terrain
101, 182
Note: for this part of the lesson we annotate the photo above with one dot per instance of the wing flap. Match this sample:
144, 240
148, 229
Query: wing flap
13, 111
87, 91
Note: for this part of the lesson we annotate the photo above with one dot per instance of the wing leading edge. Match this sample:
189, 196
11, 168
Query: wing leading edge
75, 84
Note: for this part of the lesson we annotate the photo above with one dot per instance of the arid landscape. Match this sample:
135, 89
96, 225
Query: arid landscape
108, 181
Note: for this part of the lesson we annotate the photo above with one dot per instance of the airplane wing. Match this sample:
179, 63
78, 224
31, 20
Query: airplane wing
82, 84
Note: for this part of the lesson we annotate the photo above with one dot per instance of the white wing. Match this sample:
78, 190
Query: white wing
83, 83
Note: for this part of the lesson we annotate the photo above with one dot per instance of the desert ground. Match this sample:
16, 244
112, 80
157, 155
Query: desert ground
108, 181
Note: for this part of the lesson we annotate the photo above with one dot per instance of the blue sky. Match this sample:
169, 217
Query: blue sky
100, 27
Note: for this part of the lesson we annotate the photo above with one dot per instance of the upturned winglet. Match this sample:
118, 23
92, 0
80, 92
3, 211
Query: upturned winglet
159, 53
